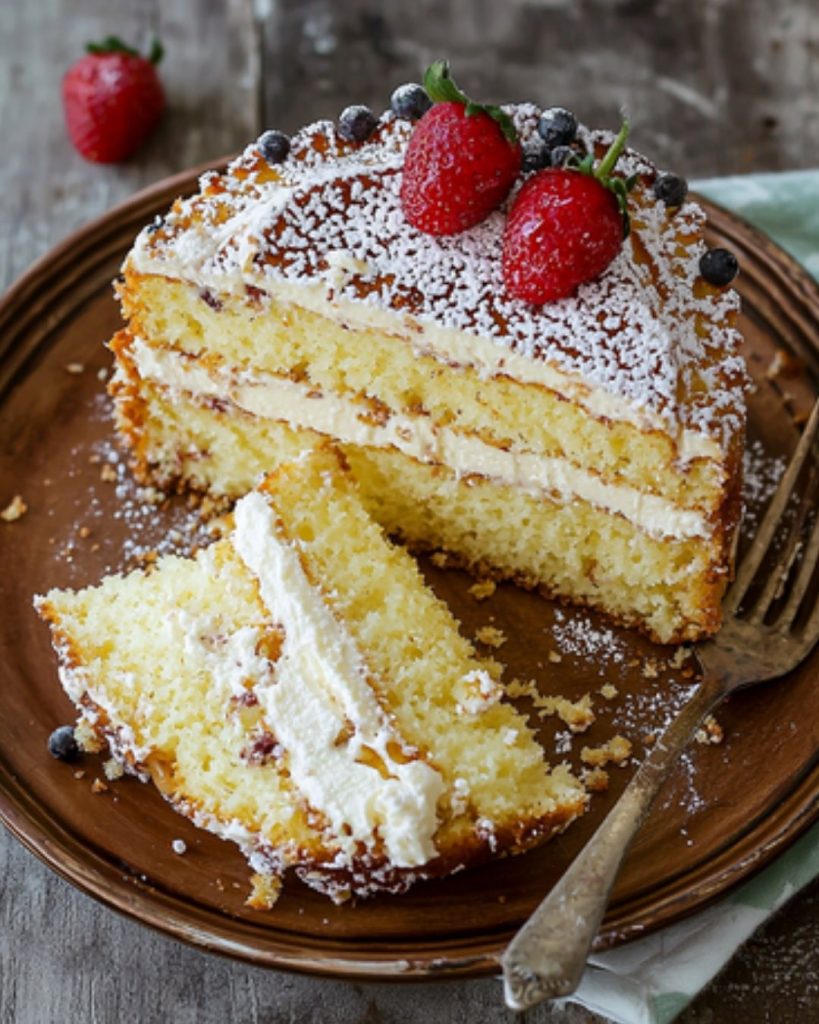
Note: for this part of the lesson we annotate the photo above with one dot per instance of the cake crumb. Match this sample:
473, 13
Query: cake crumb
710, 731
15, 509
98, 786
113, 769
439, 559
609, 691
108, 474
518, 688
102, 373
79, 773
650, 669
179, 846
617, 750
491, 636
74, 368
578, 714
482, 589
84, 532
265, 891
596, 780
555, 657
86, 737
679, 658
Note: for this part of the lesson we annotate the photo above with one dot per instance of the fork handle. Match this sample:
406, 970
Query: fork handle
547, 956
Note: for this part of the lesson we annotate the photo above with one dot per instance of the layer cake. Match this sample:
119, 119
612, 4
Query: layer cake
589, 446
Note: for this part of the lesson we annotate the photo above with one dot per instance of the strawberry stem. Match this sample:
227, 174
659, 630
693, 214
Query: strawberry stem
157, 51
113, 44
441, 88
606, 165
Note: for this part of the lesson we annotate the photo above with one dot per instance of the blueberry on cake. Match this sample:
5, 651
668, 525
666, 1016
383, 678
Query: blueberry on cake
297, 688
549, 402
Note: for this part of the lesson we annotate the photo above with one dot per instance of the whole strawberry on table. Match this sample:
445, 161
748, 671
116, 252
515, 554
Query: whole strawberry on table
112, 100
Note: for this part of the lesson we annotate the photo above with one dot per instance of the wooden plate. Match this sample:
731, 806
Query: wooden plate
730, 808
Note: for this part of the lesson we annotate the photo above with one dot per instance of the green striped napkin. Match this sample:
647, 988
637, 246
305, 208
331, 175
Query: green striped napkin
651, 980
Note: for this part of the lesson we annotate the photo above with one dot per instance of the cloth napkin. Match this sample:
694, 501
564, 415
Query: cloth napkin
651, 980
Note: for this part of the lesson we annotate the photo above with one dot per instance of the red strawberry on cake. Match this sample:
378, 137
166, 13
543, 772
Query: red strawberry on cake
462, 159
565, 227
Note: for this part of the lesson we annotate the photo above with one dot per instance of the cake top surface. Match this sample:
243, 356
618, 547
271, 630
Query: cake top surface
648, 331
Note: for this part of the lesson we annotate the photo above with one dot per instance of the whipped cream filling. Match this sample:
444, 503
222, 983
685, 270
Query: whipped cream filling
302, 407
325, 714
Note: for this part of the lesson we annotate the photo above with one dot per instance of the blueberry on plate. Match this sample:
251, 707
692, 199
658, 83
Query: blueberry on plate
719, 267
62, 744
557, 127
274, 146
670, 189
410, 101
356, 124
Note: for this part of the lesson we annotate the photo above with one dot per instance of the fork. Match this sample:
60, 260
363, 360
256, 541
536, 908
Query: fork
546, 958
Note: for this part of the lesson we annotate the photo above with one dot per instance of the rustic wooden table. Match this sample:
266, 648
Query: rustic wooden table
712, 87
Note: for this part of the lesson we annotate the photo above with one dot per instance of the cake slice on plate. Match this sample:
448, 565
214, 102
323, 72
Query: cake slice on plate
590, 446
296, 688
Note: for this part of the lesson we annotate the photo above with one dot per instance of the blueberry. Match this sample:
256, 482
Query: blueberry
274, 146
410, 101
356, 124
534, 158
671, 189
561, 155
719, 267
557, 127
63, 745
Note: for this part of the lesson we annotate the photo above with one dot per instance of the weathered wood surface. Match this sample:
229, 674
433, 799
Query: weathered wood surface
717, 87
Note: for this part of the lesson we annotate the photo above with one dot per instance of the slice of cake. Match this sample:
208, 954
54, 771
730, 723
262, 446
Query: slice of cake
297, 689
589, 446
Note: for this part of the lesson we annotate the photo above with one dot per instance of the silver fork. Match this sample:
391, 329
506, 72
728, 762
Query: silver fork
547, 956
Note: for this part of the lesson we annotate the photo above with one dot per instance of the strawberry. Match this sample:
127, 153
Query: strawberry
462, 159
112, 100
565, 227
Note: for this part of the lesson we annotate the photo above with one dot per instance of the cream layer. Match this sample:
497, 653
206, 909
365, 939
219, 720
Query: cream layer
324, 712
302, 407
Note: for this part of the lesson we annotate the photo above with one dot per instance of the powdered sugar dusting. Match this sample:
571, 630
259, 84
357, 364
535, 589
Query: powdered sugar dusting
761, 475
579, 636
633, 332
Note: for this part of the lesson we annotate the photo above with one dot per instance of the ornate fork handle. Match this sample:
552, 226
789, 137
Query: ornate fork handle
547, 956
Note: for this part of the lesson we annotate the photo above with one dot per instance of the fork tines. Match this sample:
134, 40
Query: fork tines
791, 551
